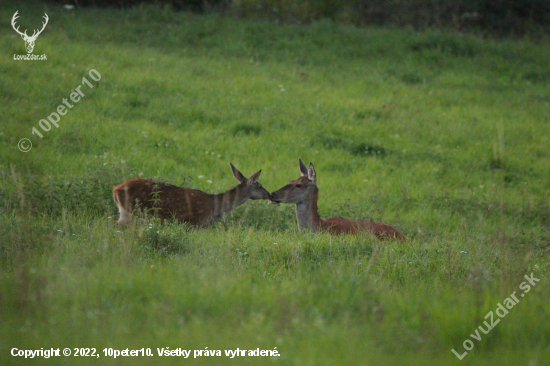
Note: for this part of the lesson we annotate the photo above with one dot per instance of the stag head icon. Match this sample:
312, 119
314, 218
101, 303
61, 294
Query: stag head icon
29, 40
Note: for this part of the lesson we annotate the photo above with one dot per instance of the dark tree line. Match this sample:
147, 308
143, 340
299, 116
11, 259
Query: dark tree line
494, 16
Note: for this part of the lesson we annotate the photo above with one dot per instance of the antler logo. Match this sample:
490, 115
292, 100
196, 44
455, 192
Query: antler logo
29, 41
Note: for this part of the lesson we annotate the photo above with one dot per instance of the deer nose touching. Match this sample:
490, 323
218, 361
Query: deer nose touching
272, 199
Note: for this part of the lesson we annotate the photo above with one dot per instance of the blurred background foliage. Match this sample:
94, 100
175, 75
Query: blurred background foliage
494, 17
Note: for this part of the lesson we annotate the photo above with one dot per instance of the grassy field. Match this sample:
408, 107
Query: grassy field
441, 135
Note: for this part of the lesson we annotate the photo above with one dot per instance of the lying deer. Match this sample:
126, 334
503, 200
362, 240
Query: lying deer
304, 193
184, 204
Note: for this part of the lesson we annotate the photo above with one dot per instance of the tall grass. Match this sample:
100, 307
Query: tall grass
442, 135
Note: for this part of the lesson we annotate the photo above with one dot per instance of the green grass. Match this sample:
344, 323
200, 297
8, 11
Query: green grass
441, 135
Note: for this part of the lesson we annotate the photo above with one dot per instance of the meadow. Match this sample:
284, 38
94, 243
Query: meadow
443, 135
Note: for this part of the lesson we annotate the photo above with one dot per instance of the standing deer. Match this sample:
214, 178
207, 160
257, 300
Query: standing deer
29, 41
304, 193
184, 204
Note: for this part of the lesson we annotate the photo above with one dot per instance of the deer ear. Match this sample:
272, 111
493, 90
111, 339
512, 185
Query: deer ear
311, 175
303, 168
255, 177
238, 175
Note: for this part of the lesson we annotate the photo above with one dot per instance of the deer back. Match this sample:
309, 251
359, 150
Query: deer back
339, 225
165, 201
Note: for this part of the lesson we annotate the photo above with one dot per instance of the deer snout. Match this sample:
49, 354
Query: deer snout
273, 198
261, 194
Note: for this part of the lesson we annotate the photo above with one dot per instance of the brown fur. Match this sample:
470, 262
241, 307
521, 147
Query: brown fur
339, 225
342, 226
182, 204
192, 206
304, 193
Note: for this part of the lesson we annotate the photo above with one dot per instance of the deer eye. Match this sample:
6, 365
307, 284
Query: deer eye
298, 185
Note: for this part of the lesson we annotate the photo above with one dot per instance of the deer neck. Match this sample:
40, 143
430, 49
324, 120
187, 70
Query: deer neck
307, 213
229, 200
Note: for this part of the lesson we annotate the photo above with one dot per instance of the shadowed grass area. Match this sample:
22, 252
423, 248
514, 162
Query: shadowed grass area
441, 135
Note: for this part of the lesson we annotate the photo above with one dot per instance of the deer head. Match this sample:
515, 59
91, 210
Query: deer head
298, 190
29, 41
253, 188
